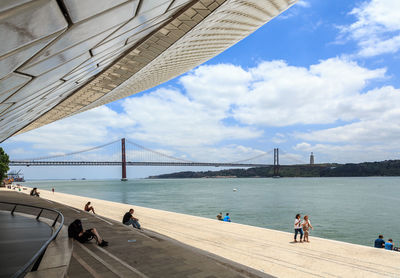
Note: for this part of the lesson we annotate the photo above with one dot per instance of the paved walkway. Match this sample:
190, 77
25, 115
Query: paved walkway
133, 253
20, 239
268, 251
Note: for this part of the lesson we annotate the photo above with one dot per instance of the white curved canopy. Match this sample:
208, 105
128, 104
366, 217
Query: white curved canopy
59, 58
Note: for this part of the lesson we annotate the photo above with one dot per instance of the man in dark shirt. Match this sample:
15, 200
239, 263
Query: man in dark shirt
129, 219
379, 242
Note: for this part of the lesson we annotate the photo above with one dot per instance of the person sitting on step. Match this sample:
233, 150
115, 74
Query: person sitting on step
129, 219
89, 208
75, 230
34, 192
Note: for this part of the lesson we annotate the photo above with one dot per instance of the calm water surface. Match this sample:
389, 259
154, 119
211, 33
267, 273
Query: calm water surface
347, 209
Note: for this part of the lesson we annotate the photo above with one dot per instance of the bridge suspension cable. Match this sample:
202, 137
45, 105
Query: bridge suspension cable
71, 153
292, 157
252, 158
158, 153
142, 156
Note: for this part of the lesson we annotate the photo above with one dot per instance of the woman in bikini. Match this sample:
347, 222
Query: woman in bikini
306, 226
88, 208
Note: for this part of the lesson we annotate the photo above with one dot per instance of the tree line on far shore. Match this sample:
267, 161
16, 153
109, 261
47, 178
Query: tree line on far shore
365, 169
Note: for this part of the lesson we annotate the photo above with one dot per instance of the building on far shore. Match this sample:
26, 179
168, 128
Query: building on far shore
312, 158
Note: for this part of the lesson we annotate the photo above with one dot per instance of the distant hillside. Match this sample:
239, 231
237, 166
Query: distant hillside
365, 169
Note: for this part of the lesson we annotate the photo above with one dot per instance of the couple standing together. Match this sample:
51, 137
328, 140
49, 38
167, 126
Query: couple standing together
300, 226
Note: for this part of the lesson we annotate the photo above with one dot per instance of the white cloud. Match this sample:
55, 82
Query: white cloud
17, 151
294, 10
77, 132
170, 118
303, 3
227, 153
349, 153
283, 95
279, 138
378, 117
377, 27
221, 105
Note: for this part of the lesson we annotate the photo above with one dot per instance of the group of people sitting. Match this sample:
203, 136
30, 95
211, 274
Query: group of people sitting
75, 229
226, 218
388, 245
300, 226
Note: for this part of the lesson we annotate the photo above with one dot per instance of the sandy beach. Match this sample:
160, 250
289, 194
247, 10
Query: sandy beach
265, 250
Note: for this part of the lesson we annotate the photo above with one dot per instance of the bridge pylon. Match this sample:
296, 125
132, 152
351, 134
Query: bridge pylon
276, 162
123, 160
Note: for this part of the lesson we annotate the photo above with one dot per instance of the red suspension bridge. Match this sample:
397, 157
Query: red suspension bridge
132, 154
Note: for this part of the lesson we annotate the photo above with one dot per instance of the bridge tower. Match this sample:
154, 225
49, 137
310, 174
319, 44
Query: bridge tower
123, 160
276, 162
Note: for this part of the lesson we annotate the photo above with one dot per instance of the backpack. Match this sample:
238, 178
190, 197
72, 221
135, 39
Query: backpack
75, 228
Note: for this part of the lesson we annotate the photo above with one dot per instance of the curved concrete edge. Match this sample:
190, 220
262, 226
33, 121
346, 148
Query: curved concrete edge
56, 259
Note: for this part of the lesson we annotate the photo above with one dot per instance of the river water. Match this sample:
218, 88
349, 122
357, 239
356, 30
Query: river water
353, 210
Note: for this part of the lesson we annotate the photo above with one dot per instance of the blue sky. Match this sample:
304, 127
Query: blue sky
322, 77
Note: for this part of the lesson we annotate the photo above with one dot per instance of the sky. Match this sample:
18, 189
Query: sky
322, 77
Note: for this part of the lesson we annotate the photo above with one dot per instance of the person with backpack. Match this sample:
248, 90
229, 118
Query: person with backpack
75, 230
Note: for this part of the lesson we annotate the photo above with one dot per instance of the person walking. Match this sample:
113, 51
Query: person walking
297, 228
306, 226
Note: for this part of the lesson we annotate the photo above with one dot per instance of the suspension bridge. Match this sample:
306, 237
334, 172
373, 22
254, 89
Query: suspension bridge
129, 153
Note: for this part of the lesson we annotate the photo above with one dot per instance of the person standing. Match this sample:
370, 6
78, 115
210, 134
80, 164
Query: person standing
129, 219
297, 228
379, 242
306, 227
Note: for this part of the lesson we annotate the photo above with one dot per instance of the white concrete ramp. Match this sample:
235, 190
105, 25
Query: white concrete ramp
266, 250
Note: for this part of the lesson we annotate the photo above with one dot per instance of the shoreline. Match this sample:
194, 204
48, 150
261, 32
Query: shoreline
265, 250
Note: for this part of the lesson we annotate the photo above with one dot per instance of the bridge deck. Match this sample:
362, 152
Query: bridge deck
131, 163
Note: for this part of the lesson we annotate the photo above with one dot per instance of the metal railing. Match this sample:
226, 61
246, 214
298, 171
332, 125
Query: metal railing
34, 262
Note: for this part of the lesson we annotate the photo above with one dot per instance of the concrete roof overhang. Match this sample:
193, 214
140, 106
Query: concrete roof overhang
60, 58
